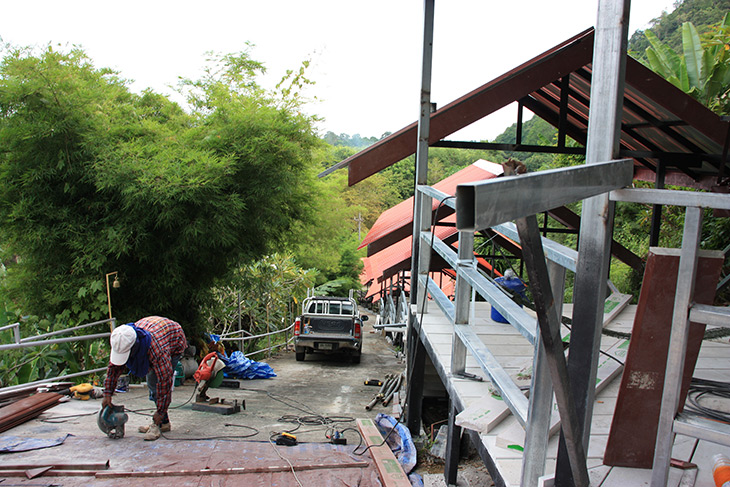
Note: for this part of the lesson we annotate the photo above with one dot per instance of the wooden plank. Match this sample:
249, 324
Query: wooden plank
26, 409
388, 467
608, 369
483, 415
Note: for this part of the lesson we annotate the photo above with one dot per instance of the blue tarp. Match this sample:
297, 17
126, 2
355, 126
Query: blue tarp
401, 443
12, 444
240, 367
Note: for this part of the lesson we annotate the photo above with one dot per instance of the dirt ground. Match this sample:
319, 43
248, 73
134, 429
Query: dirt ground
309, 398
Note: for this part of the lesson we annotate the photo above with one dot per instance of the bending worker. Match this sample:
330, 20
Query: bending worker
150, 347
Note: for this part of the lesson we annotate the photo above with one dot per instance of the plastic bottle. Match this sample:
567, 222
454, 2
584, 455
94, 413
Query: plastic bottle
721, 470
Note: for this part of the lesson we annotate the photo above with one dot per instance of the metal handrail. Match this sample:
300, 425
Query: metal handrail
67, 330
37, 341
271, 333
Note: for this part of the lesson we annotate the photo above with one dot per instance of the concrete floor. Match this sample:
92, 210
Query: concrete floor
309, 398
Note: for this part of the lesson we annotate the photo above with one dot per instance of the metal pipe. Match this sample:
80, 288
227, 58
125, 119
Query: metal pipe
395, 385
243, 339
371, 404
390, 325
390, 395
387, 386
66, 330
13, 346
13, 325
51, 380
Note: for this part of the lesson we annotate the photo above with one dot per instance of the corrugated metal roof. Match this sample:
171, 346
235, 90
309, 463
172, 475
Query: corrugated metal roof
659, 121
396, 223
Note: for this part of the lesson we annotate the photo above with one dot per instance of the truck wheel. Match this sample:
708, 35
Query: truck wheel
355, 357
299, 355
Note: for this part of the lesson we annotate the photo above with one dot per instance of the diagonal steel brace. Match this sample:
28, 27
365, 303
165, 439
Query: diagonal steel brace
549, 324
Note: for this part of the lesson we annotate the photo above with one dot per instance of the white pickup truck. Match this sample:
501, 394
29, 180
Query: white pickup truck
329, 325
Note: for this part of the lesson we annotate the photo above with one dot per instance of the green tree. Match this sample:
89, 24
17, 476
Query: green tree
703, 69
668, 25
97, 179
265, 291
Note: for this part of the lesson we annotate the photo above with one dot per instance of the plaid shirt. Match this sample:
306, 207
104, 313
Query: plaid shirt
168, 340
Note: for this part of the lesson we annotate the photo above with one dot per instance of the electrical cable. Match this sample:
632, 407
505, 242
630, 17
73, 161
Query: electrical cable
700, 388
287, 461
64, 418
219, 437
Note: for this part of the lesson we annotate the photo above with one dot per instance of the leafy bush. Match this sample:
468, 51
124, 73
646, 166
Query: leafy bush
95, 179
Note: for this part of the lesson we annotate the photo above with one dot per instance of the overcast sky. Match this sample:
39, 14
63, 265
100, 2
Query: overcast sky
366, 55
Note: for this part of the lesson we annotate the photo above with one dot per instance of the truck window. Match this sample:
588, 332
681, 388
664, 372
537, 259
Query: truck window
317, 307
335, 308
347, 309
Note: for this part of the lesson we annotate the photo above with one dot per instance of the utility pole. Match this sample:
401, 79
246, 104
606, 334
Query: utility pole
359, 221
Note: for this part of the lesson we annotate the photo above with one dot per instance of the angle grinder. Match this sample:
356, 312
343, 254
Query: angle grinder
111, 421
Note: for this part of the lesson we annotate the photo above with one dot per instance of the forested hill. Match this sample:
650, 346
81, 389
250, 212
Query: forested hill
668, 26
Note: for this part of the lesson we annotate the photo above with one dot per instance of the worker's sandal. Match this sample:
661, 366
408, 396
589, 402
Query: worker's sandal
165, 427
152, 433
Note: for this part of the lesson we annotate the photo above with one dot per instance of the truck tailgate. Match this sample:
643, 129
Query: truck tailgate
321, 324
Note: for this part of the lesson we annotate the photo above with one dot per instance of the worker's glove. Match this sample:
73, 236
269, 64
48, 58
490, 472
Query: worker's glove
157, 418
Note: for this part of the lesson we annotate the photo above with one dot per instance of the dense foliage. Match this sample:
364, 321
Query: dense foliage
95, 179
667, 27
703, 68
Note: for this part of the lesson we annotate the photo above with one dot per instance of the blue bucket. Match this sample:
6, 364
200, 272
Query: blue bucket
512, 284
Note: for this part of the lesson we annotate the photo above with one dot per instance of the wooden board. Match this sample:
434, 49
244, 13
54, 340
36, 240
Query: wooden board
390, 470
608, 369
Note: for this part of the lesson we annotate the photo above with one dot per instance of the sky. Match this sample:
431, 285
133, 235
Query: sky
365, 56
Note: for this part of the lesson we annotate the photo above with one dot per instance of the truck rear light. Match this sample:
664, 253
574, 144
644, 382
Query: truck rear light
297, 327
357, 332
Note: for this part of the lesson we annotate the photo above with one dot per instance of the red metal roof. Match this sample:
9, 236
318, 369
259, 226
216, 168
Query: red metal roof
396, 223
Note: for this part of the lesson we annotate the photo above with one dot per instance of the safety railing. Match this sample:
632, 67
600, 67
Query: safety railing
494, 204
230, 337
45, 339
40, 340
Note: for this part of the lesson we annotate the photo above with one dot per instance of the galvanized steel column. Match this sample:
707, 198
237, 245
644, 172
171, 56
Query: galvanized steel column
421, 203
541, 393
421, 221
604, 132
463, 299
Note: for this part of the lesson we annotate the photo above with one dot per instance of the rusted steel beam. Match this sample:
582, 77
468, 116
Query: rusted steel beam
26, 409
513, 85
56, 466
229, 471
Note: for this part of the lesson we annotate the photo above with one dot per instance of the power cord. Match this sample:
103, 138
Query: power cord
700, 388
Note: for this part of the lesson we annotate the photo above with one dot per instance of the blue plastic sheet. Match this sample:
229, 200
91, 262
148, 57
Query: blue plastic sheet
13, 444
399, 441
240, 367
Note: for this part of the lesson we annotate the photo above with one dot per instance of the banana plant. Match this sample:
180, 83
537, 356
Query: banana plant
703, 68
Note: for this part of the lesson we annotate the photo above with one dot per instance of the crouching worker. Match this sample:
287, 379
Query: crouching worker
149, 348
